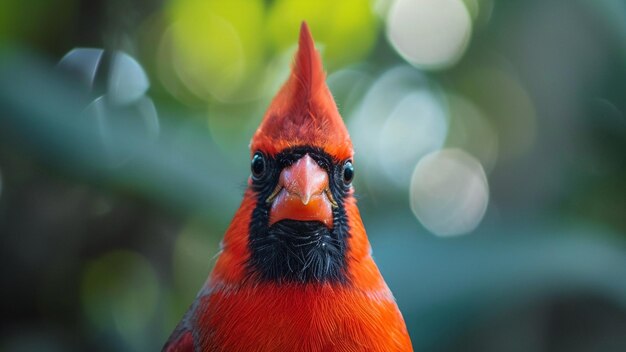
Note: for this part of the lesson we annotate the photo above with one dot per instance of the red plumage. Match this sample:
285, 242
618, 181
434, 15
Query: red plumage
304, 111
237, 311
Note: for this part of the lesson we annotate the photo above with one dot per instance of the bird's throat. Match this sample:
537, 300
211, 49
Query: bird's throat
297, 251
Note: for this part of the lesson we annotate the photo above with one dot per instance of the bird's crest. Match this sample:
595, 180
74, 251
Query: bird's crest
304, 111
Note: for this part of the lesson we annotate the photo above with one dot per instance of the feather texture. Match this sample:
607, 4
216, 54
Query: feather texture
304, 111
301, 308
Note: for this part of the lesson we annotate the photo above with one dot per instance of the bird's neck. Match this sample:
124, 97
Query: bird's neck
244, 313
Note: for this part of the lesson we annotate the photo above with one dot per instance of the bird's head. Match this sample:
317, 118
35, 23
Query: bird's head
301, 176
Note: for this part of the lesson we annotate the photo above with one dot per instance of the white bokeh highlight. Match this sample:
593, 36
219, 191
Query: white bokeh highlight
127, 81
449, 192
429, 34
401, 118
414, 128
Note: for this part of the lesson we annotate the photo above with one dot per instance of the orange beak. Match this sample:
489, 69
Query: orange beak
302, 194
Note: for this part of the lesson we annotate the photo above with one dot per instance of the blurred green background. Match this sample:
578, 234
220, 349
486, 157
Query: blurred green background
490, 141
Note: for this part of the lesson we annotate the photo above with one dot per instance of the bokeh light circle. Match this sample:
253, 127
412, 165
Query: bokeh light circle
506, 103
449, 192
471, 131
127, 81
120, 289
217, 49
429, 34
348, 86
401, 118
414, 128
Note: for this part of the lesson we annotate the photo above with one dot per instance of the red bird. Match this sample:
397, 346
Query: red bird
296, 272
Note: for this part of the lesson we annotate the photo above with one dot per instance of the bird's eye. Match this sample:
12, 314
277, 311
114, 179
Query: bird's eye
348, 172
258, 165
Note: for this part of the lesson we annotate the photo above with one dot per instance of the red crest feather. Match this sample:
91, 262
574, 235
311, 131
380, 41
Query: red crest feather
304, 111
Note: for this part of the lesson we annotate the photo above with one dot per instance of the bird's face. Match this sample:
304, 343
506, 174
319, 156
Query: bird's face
301, 160
299, 231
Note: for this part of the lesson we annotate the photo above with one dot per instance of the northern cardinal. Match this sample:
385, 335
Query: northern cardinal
295, 272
